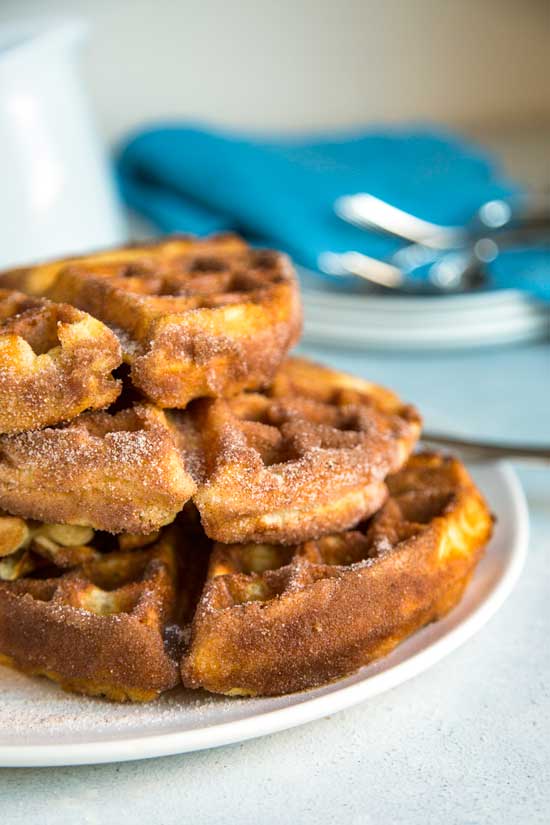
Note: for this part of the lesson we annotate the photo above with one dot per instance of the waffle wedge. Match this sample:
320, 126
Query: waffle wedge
121, 472
195, 317
274, 620
307, 456
55, 362
102, 627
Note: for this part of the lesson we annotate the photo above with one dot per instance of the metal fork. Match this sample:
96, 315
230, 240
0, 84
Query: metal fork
479, 450
456, 256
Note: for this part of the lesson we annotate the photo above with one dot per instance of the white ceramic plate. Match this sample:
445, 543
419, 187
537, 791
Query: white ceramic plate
366, 320
381, 333
40, 725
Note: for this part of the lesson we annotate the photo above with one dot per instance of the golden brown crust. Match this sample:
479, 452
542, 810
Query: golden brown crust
121, 472
99, 629
306, 457
55, 362
195, 317
275, 620
271, 619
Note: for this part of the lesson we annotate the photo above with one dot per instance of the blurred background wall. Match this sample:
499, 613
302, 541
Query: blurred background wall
479, 65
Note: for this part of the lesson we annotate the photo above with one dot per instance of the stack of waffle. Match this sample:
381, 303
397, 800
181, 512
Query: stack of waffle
182, 502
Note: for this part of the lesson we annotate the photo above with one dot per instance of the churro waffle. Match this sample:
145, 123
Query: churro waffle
102, 627
122, 472
282, 459
55, 362
274, 620
195, 317
306, 457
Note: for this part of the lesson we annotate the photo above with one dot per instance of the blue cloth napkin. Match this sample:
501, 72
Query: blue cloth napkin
280, 192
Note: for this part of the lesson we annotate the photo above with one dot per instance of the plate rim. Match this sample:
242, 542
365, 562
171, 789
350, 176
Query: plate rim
455, 341
315, 286
401, 304
145, 746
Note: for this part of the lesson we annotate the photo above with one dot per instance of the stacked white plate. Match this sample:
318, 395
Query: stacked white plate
372, 320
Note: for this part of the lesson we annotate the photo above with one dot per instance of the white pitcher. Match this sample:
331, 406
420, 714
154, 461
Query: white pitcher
56, 192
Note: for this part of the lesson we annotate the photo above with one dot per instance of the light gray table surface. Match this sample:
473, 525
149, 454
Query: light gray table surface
467, 742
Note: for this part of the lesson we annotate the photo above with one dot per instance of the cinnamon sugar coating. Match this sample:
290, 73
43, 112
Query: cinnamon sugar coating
271, 619
121, 472
275, 619
101, 628
306, 457
195, 317
55, 362
282, 458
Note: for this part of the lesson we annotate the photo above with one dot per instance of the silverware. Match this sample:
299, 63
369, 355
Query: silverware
479, 450
455, 257
370, 212
456, 271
